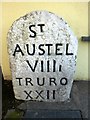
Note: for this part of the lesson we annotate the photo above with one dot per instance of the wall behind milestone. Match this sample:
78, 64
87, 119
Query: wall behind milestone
76, 14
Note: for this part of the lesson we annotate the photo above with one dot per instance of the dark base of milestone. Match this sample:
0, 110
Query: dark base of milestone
44, 114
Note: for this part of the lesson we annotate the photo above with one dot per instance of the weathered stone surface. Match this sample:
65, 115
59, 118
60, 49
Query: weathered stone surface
43, 52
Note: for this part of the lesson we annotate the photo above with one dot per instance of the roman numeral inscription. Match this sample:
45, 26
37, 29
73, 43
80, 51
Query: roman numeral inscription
41, 66
42, 50
38, 94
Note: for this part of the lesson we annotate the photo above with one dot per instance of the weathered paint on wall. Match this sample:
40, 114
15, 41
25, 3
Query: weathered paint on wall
76, 14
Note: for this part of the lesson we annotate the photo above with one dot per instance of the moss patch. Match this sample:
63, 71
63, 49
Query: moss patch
14, 114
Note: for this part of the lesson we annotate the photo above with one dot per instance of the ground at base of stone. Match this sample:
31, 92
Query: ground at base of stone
12, 108
45, 113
